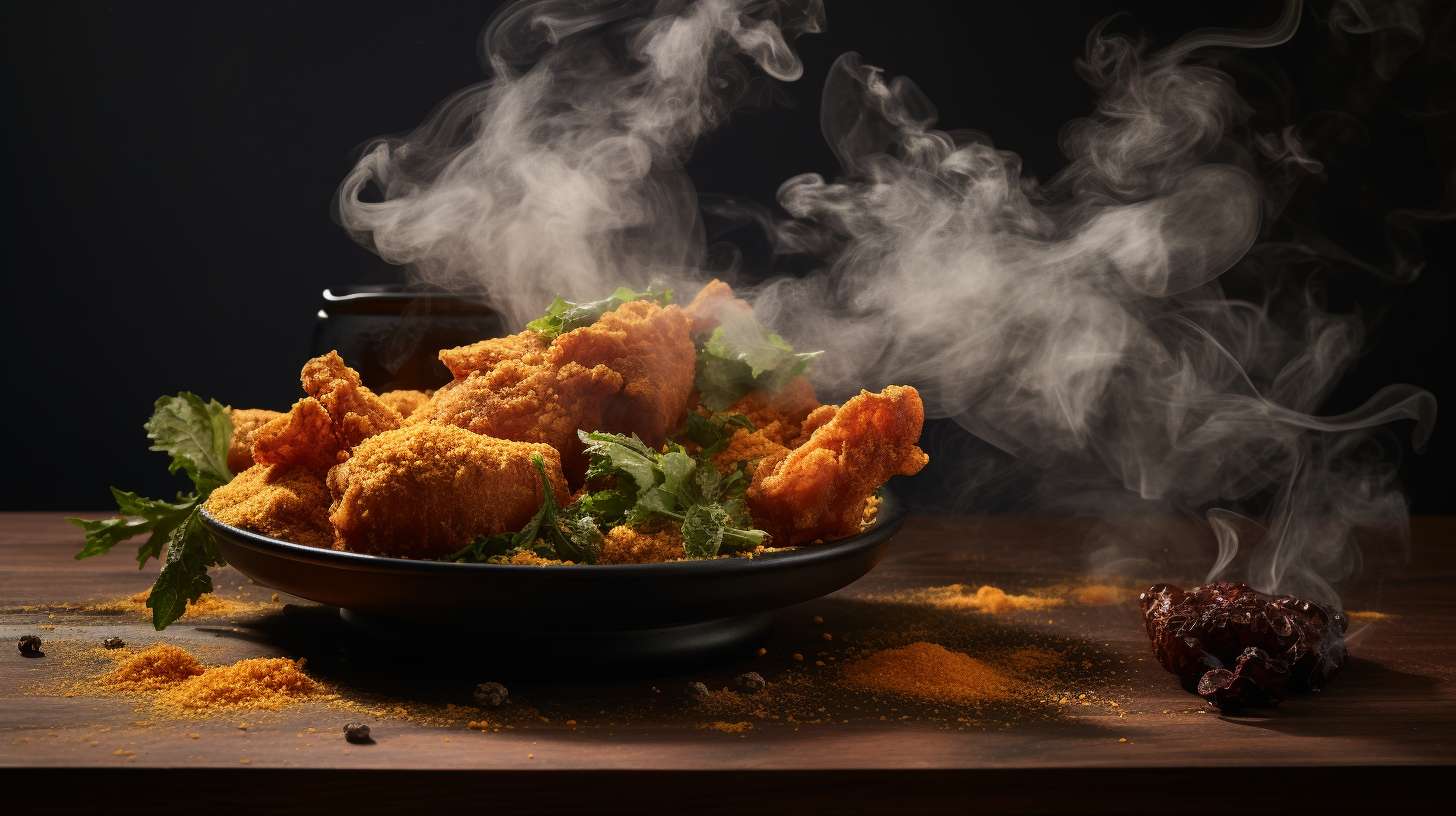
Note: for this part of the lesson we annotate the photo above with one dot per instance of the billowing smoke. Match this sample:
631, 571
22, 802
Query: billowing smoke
1087, 325
563, 173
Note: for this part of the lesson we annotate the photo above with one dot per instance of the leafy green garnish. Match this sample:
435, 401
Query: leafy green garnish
563, 315
713, 433
196, 435
742, 355
567, 534
672, 485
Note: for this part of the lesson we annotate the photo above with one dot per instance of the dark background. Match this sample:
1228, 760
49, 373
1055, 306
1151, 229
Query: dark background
173, 166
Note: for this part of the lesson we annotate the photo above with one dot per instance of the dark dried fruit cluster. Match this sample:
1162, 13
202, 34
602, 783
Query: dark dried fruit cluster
1238, 647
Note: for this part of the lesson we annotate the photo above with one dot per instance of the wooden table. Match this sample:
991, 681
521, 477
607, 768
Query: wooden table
619, 739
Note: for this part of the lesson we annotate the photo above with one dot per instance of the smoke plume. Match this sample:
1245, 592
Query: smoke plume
1084, 325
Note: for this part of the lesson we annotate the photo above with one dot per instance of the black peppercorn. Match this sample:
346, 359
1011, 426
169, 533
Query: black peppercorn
697, 691
357, 733
491, 695
29, 646
113, 643
750, 681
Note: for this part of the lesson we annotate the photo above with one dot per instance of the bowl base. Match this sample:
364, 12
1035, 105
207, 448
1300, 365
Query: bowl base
695, 641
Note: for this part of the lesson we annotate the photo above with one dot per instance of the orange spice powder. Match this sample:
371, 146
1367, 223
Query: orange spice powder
729, 727
929, 671
208, 606
986, 599
152, 669
266, 683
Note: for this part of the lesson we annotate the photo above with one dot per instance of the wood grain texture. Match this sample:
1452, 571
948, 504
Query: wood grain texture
1388, 721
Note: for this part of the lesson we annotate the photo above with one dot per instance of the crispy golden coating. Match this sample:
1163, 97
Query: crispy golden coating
303, 437
323, 427
627, 545
652, 349
425, 491
246, 421
405, 401
356, 412
708, 306
778, 414
290, 503
749, 446
630, 372
488, 353
528, 400
818, 490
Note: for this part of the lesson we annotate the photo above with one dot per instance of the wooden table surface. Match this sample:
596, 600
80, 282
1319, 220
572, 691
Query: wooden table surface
620, 739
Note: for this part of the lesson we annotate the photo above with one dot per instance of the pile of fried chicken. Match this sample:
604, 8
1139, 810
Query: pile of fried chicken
419, 475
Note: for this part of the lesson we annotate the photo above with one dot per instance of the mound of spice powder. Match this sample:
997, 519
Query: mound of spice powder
993, 600
152, 669
268, 683
929, 671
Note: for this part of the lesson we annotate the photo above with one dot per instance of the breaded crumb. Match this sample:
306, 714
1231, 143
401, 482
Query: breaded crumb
628, 545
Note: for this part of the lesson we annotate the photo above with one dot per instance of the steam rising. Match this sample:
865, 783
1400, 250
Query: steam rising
1081, 325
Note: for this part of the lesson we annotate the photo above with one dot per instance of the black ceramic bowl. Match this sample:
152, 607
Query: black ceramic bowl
618, 610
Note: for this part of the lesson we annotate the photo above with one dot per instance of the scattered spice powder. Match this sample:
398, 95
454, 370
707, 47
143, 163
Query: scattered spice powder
208, 606
1032, 660
929, 671
1369, 615
729, 727
986, 599
152, 669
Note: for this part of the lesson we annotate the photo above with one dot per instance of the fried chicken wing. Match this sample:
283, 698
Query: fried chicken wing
528, 400
708, 306
303, 437
405, 401
284, 502
818, 490
630, 372
486, 354
356, 412
320, 429
651, 347
246, 422
425, 491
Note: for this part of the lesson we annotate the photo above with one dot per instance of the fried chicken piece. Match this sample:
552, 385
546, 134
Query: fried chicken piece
778, 414
528, 400
751, 447
652, 349
356, 412
278, 501
627, 545
303, 437
246, 422
405, 401
630, 372
818, 490
708, 306
425, 491
487, 354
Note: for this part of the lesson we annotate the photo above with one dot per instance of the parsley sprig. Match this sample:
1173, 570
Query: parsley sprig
196, 435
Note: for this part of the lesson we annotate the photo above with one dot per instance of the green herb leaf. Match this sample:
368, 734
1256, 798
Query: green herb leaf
702, 530
138, 515
671, 485
741, 355
563, 316
713, 433
196, 435
183, 579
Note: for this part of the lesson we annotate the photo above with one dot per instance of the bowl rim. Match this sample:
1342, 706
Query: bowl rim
890, 516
